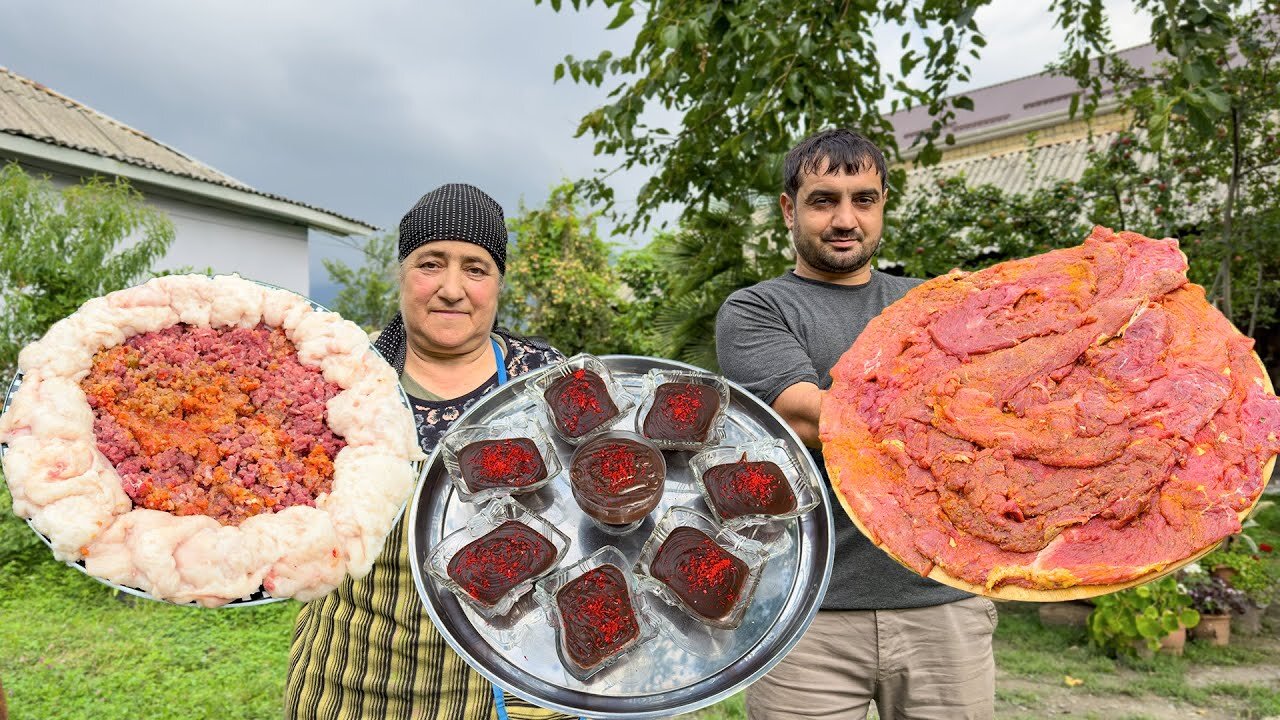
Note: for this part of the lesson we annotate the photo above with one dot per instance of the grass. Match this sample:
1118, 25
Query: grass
1025, 649
1018, 696
70, 649
733, 708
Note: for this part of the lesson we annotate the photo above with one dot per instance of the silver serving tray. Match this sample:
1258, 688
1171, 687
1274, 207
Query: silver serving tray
261, 596
660, 678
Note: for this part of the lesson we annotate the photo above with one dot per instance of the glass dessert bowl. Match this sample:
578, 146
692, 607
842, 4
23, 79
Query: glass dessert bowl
617, 479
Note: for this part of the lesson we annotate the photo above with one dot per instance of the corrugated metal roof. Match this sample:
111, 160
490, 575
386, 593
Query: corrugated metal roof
1010, 101
1022, 171
31, 110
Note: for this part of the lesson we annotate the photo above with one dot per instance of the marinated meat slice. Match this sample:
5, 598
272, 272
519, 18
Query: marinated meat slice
1077, 417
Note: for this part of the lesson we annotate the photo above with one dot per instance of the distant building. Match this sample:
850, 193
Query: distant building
219, 222
1013, 122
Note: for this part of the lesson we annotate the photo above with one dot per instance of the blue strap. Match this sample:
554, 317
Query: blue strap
502, 378
499, 703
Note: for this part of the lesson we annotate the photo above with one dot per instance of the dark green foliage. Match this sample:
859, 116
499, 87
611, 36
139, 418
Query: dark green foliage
1207, 117
369, 294
1141, 615
559, 284
748, 79
59, 249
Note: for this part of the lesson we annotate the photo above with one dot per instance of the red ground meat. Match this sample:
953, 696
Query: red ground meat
225, 423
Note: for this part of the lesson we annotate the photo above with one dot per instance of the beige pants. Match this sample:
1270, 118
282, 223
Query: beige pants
932, 662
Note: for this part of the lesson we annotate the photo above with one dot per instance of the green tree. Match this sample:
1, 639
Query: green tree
369, 294
559, 284
59, 249
1209, 114
954, 225
748, 78
712, 254
645, 281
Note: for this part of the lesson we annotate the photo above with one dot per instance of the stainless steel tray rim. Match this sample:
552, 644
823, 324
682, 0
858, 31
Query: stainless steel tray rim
656, 705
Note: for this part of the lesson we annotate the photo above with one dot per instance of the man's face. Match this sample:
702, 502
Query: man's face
836, 220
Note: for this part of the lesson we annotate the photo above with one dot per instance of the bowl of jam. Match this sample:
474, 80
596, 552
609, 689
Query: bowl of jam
511, 457
617, 479
581, 397
753, 483
597, 611
493, 561
707, 571
682, 409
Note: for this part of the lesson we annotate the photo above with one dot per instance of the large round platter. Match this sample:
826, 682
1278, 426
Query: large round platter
661, 678
261, 597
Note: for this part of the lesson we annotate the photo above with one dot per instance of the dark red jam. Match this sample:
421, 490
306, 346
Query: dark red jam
579, 402
513, 463
707, 577
748, 488
489, 566
615, 480
681, 412
596, 616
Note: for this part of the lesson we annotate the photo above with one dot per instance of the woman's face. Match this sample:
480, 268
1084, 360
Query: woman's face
449, 295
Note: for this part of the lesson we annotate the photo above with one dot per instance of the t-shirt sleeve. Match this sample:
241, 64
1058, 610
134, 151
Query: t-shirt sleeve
756, 348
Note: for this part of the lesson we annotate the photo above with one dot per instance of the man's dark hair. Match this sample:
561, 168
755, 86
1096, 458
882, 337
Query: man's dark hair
843, 150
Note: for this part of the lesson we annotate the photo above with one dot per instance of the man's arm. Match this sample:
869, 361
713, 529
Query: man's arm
757, 350
800, 405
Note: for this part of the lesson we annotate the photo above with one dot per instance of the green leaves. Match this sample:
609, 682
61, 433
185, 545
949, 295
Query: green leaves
749, 79
671, 37
559, 284
930, 154
1144, 614
1160, 108
59, 249
908, 62
1189, 618
368, 295
625, 12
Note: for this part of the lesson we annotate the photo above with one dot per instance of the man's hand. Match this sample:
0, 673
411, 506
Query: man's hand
800, 405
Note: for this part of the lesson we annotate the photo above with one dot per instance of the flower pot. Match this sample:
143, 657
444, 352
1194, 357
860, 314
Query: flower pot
1171, 644
1248, 622
1214, 628
1073, 613
1225, 572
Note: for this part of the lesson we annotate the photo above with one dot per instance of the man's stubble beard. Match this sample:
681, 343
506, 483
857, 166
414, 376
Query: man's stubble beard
820, 257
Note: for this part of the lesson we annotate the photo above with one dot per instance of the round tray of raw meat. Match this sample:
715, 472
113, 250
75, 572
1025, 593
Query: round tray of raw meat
208, 441
1055, 427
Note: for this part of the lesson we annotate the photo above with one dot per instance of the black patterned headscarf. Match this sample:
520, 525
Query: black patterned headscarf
450, 212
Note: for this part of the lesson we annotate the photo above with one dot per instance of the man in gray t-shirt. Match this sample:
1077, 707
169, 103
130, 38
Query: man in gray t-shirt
916, 647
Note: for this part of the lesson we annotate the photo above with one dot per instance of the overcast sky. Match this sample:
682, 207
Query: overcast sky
360, 108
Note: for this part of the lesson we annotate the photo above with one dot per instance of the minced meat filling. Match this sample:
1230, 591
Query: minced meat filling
219, 422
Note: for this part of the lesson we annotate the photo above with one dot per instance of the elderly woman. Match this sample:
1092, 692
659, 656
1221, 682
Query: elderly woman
367, 650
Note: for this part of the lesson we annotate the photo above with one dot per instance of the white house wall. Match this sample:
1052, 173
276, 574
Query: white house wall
208, 237
257, 248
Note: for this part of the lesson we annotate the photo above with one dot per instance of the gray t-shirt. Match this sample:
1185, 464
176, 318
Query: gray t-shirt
791, 329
